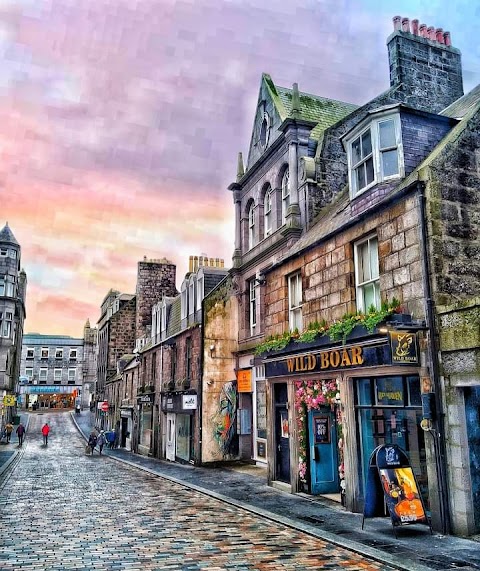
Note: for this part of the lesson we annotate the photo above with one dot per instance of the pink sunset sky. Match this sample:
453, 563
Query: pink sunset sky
121, 121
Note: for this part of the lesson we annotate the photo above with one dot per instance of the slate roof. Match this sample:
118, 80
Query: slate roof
323, 111
337, 216
174, 318
6, 235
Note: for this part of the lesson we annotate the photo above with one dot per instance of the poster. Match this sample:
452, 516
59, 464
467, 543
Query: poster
284, 424
402, 496
322, 429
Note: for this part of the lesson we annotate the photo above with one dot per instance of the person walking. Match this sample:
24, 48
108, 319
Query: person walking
45, 432
8, 431
92, 441
20, 433
101, 441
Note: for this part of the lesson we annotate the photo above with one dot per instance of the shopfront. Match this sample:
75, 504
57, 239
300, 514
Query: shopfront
332, 405
145, 423
48, 397
179, 410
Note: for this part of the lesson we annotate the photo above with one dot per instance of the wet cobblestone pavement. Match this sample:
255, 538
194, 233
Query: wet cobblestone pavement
64, 510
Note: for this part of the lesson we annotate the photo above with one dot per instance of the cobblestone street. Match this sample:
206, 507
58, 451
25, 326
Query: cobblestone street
62, 509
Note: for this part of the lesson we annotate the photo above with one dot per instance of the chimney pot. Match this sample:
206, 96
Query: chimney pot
397, 23
431, 34
439, 33
423, 30
406, 24
415, 27
447, 39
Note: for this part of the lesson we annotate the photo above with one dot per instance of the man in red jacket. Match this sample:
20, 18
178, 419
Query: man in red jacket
45, 431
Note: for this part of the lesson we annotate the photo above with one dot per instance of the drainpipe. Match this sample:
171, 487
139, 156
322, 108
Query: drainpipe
438, 434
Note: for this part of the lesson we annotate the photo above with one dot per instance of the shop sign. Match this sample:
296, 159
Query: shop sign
404, 347
352, 356
189, 402
44, 389
244, 381
9, 400
145, 399
391, 481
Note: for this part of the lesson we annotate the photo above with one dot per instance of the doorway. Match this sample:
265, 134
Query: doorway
282, 433
171, 437
472, 414
323, 452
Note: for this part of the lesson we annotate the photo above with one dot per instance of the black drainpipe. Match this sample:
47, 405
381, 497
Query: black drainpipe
438, 434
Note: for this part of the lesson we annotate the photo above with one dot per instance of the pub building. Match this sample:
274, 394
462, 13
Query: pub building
332, 404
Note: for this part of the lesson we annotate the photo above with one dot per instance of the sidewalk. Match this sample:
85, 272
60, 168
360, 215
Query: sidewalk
246, 487
8, 452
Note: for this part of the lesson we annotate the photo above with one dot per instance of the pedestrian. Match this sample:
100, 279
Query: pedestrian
8, 431
110, 437
20, 433
101, 441
45, 432
92, 441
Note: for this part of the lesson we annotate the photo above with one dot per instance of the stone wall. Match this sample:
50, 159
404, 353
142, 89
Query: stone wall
121, 334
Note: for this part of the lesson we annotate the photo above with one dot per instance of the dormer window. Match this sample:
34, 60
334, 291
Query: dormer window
200, 291
264, 130
285, 195
184, 301
191, 297
375, 153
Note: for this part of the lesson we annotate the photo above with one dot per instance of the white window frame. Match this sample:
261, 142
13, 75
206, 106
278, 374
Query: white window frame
12, 254
285, 194
184, 301
373, 272
57, 374
44, 353
9, 286
295, 295
30, 353
7, 324
252, 304
163, 325
200, 291
251, 226
376, 154
72, 374
73, 354
59, 353
43, 374
191, 297
267, 212
29, 372
3, 252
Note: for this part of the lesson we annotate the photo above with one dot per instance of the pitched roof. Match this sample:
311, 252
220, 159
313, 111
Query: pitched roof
6, 235
462, 106
323, 111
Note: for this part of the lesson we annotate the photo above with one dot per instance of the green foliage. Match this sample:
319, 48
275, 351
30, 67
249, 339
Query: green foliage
337, 331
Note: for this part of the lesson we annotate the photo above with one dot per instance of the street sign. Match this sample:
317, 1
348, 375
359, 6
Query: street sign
9, 400
104, 406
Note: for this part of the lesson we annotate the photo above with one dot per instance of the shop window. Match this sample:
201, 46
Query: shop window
367, 274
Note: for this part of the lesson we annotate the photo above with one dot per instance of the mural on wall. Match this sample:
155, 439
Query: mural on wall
225, 419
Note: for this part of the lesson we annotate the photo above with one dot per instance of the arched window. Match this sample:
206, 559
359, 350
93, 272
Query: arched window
267, 211
285, 194
251, 226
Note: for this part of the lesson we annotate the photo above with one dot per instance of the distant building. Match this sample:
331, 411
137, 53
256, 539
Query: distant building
13, 282
52, 371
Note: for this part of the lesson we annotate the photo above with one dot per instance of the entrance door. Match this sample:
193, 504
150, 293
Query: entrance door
472, 413
282, 434
171, 445
323, 452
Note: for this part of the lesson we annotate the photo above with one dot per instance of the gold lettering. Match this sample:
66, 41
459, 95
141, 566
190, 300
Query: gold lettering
299, 364
334, 358
324, 364
345, 359
312, 361
290, 365
357, 358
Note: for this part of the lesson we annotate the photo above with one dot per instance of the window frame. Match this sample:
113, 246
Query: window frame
73, 354
44, 353
58, 352
188, 360
43, 374
200, 287
286, 192
252, 305
377, 152
69, 376
295, 314
267, 212
57, 374
29, 373
7, 325
375, 280
30, 354
251, 226
191, 296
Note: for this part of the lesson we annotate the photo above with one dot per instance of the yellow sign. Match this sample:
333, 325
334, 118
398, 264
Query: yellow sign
404, 347
244, 381
9, 400
346, 357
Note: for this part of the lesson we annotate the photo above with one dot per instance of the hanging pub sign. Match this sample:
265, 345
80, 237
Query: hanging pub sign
404, 347
391, 482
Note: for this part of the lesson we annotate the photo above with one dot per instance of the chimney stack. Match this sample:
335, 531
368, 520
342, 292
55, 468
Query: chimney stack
425, 69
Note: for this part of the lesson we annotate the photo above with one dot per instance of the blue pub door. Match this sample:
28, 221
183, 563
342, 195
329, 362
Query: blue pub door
323, 452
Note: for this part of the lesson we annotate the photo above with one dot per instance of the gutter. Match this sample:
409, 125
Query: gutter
438, 433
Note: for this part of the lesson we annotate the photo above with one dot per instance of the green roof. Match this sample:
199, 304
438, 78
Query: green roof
325, 112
